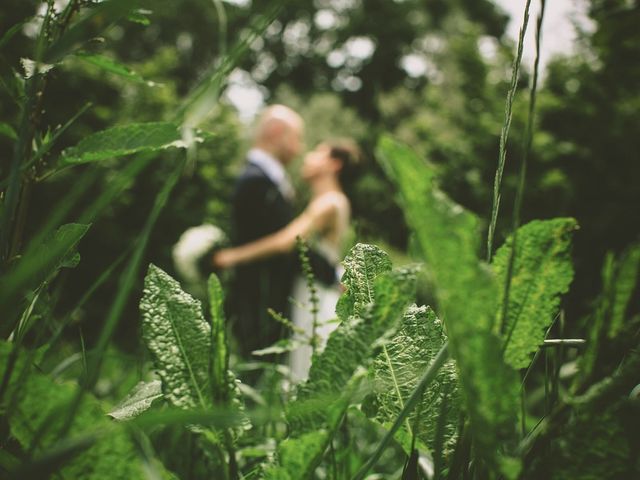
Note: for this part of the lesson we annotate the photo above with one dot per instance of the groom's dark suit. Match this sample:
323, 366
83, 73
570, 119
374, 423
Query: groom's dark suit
259, 209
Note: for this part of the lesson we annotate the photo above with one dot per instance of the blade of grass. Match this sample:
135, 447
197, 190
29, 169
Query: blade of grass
127, 281
504, 134
527, 141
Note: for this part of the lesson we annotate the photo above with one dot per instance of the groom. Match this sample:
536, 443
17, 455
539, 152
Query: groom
262, 204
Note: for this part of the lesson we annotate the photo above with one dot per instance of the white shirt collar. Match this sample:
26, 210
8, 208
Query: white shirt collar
272, 169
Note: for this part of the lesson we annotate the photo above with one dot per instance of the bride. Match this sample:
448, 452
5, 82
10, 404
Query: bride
324, 223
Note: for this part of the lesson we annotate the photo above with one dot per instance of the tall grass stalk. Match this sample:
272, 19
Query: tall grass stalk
517, 208
504, 134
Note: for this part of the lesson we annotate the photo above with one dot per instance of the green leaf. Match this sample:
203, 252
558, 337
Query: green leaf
610, 320
542, 272
37, 414
125, 140
397, 369
112, 66
625, 284
379, 297
178, 337
593, 435
225, 387
138, 401
8, 131
140, 16
362, 265
448, 237
9, 34
219, 352
40, 263
297, 457
351, 344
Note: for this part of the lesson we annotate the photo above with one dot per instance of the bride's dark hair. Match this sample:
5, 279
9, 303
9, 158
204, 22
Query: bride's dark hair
348, 152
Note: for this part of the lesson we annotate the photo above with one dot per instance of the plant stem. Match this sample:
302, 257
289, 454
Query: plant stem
528, 139
504, 134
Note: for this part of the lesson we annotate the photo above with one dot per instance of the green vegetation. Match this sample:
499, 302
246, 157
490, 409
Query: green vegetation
451, 359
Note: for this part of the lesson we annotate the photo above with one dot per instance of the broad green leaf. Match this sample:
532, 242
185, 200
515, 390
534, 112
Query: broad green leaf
8, 131
176, 333
297, 457
542, 272
380, 296
448, 237
138, 401
38, 412
351, 345
112, 66
396, 371
125, 140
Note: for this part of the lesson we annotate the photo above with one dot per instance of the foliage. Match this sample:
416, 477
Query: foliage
95, 95
38, 409
179, 339
125, 140
448, 239
541, 273
395, 373
140, 399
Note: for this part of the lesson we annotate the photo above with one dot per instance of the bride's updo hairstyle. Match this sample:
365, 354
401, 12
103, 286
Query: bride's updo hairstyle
348, 152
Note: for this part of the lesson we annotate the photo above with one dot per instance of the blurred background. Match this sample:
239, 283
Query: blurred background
434, 74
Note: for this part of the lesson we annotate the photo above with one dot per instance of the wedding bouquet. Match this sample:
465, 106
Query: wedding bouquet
193, 251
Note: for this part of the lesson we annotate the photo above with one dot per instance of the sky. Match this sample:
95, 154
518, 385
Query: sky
558, 31
558, 37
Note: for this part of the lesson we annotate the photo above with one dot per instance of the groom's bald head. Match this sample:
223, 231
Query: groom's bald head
279, 132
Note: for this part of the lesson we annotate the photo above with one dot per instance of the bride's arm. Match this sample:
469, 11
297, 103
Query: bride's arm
314, 218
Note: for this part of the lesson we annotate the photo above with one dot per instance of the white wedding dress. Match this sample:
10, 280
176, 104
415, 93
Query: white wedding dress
330, 245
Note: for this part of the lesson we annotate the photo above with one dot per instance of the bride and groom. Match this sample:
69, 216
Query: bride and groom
267, 270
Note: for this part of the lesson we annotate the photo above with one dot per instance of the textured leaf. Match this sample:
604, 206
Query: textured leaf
379, 296
396, 371
40, 408
542, 271
138, 401
448, 238
351, 344
125, 140
362, 265
178, 337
